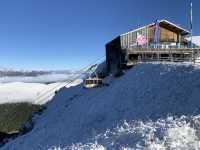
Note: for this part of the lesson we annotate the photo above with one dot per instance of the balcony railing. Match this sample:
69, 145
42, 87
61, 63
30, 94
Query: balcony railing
162, 50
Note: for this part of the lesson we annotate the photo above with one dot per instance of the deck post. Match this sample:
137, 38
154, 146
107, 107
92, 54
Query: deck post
197, 55
193, 56
171, 57
158, 56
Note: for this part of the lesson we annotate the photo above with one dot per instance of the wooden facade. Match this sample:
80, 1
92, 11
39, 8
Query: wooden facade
124, 49
170, 36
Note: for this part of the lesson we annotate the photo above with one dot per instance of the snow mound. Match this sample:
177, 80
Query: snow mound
153, 106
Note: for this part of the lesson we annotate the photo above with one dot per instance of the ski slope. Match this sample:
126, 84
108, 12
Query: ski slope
151, 107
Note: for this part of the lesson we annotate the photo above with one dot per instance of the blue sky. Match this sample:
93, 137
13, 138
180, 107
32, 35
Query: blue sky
69, 34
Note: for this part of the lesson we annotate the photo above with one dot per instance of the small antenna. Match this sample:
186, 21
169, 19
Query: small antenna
138, 21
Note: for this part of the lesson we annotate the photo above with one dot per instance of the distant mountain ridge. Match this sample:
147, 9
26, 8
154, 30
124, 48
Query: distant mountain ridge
22, 73
12, 73
51, 76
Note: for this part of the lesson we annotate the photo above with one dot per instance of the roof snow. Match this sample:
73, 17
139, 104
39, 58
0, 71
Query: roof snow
144, 106
161, 21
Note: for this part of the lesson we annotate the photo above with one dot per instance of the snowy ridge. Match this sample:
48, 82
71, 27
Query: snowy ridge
17, 92
151, 107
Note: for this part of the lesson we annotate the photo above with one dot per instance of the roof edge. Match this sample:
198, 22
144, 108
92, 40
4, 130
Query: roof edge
162, 20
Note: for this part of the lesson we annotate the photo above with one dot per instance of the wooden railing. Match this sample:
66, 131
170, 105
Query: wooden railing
156, 55
165, 60
162, 50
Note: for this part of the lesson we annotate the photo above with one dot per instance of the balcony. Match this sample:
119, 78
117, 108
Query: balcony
162, 50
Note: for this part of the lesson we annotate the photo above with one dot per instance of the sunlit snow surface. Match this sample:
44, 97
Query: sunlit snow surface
151, 107
165, 134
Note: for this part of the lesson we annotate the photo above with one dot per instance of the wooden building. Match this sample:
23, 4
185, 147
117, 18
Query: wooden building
125, 50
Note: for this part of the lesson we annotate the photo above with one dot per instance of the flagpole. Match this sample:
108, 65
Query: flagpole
191, 21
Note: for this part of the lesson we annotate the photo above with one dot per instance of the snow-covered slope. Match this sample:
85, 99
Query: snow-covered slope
16, 92
153, 106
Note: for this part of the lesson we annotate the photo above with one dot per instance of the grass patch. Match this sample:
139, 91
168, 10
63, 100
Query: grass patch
13, 116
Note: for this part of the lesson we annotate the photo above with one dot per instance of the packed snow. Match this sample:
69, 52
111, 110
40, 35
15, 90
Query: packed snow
151, 107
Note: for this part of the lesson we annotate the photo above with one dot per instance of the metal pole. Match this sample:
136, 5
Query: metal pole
191, 21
